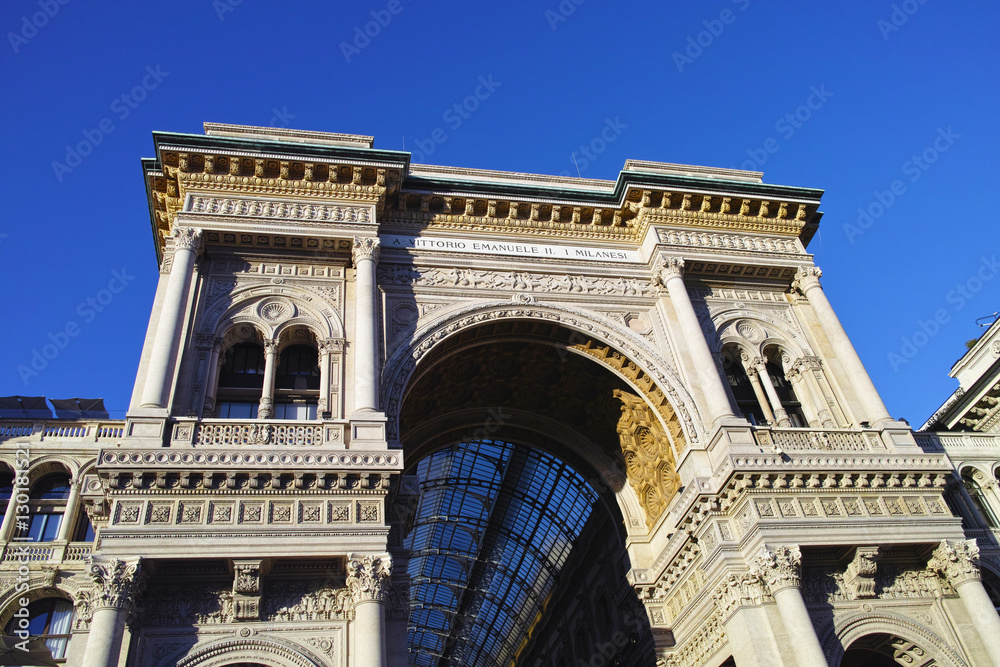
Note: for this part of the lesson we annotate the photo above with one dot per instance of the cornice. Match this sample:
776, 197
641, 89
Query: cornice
470, 199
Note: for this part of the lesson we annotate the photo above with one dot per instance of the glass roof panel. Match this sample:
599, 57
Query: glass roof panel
494, 524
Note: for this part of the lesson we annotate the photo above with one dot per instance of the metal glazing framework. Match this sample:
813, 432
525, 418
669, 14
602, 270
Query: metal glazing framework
494, 525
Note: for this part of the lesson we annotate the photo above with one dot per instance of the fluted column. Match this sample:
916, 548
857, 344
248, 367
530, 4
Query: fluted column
702, 364
368, 581
958, 562
71, 512
807, 282
780, 414
212, 382
780, 569
366, 252
117, 585
266, 409
187, 244
758, 390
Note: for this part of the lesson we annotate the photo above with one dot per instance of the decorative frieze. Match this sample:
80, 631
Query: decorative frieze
739, 590
516, 281
190, 514
716, 241
277, 210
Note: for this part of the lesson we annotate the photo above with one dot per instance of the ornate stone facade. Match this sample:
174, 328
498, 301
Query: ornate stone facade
325, 322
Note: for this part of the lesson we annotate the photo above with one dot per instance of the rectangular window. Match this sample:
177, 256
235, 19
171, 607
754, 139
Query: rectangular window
231, 410
295, 411
44, 527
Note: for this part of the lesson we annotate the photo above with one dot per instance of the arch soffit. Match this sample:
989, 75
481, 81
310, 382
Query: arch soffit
264, 650
755, 332
852, 628
400, 367
49, 464
308, 309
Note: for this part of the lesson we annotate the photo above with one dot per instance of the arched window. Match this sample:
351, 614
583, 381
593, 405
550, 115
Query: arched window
52, 620
979, 500
296, 383
241, 380
786, 395
743, 391
6, 490
47, 506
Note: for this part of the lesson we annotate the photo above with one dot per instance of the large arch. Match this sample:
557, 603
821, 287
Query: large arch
269, 651
661, 379
854, 629
473, 394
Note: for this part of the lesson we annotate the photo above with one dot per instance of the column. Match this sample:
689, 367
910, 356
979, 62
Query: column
69, 515
807, 282
810, 395
187, 243
780, 414
9, 520
325, 350
368, 581
758, 390
117, 585
366, 252
958, 562
702, 365
266, 409
212, 383
739, 600
990, 494
780, 570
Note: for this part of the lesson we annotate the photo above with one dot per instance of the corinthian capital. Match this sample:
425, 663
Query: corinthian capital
366, 247
806, 277
957, 561
186, 238
117, 584
779, 567
368, 578
667, 268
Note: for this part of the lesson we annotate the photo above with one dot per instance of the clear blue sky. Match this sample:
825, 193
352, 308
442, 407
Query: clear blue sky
920, 82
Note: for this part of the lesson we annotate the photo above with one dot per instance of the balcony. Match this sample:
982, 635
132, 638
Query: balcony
968, 444
18, 553
56, 429
257, 432
817, 440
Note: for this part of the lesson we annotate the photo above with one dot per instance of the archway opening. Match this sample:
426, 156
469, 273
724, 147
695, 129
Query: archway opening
534, 462
885, 650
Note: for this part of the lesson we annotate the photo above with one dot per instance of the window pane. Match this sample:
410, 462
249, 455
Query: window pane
51, 527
